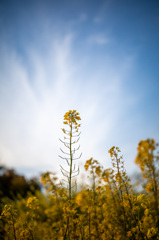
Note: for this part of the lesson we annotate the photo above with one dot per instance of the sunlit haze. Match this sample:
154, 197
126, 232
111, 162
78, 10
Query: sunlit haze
98, 57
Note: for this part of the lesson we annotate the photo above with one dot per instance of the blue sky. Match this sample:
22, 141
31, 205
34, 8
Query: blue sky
98, 57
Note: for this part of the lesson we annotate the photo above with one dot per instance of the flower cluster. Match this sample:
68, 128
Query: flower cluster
71, 117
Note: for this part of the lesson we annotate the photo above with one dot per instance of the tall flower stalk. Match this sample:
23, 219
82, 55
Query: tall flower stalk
72, 136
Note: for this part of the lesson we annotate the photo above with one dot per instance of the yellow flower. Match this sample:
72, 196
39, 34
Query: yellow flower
72, 116
151, 232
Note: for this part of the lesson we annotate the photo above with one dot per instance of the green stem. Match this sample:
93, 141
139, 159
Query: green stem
70, 177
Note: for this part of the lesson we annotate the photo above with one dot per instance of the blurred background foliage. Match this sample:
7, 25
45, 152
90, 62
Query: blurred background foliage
12, 184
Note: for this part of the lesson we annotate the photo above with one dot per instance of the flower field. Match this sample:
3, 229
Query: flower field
109, 208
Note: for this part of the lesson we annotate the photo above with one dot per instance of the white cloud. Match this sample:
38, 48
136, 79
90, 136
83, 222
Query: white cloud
32, 106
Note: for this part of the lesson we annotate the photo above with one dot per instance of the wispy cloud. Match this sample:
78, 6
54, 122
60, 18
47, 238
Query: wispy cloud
98, 39
68, 56
32, 105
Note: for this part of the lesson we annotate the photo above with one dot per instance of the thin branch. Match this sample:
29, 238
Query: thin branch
77, 157
76, 141
63, 186
64, 174
65, 180
64, 152
75, 149
75, 175
68, 132
64, 142
64, 158
76, 135
75, 171
64, 169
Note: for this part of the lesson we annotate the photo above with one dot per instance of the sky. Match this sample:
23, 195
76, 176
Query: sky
100, 58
